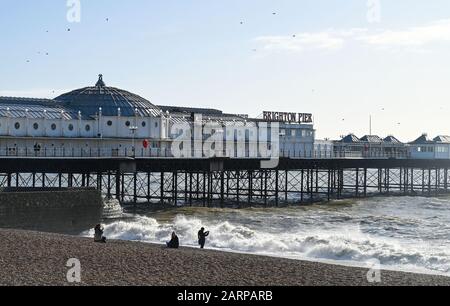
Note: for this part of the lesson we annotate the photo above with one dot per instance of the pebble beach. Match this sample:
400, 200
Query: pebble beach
39, 259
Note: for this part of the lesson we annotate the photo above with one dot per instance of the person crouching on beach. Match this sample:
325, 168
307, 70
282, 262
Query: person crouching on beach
202, 237
174, 243
98, 236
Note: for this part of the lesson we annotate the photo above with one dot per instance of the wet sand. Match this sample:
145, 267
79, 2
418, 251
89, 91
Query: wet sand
33, 258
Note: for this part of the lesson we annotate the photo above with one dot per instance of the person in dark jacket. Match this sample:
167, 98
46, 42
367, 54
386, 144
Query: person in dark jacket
202, 237
174, 243
98, 236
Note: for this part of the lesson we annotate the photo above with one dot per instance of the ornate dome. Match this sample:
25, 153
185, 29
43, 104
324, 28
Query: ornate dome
89, 100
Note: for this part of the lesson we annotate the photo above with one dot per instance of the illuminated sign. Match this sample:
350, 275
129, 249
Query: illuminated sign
288, 117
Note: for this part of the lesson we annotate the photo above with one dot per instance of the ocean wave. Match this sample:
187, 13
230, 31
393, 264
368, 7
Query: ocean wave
345, 244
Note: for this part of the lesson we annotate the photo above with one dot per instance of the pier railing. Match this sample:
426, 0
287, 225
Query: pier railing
90, 152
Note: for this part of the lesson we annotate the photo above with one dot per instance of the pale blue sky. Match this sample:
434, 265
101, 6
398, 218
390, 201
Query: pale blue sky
338, 66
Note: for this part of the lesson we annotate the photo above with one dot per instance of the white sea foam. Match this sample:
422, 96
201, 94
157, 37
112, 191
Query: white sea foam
354, 235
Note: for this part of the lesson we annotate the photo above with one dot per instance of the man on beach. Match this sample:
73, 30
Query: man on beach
174, 243
98, 236
202, 237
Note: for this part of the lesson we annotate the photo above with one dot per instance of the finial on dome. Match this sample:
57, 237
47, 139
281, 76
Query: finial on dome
100, 82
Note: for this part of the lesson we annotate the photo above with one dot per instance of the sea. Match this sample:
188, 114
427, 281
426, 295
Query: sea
396, 232
399, 233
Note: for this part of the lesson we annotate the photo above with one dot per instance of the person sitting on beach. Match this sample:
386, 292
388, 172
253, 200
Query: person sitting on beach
98, 236
202, 237
174, 243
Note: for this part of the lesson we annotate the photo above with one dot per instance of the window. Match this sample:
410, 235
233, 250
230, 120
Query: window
35, 126
156, 124
293, 133
70, 127
128, 123
17, 125
87, 128
53, 126
144, 124
109, 123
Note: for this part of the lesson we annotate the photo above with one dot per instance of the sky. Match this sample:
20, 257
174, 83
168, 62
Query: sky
343, 61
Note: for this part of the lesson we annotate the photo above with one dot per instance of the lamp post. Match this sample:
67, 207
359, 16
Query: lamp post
133, 130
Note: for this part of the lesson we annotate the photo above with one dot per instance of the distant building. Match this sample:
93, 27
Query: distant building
426, 148
297, 140
323, 148
370, 146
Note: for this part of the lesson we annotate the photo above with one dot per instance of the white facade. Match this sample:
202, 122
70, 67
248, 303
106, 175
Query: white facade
109, 122
424, 148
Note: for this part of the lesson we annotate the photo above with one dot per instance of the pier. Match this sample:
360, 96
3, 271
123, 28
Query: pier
223, 182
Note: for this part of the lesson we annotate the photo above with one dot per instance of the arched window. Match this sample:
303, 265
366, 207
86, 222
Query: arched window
87, 128
110, 123
144, 124
70, 127
128, 123
17, 125
53, 126
35, 126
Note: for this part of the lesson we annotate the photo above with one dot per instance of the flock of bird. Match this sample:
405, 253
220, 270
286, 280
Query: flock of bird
47, 53
242, 23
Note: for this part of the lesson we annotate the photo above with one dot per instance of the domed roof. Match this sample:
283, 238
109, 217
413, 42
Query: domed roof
89, 100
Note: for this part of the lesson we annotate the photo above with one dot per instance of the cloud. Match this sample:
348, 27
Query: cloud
413, 38
301, 42
435, 32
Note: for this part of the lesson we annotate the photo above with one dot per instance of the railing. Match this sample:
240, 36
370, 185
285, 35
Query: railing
167, 153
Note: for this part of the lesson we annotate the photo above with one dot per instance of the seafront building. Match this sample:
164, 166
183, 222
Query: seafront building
110, 122
425, 148
370, 146
103, 121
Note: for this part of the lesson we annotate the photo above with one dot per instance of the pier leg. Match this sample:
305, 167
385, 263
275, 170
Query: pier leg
118, 184
238, 186
161, 196
429, 182
357, 183
135, 188
222, 187
250, 186
446, 179
286, 182
276, 187
108, 188
365, 182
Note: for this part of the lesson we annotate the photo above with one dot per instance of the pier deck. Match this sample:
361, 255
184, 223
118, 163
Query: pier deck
222, 181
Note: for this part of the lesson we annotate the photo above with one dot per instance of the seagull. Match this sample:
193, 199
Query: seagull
107, 19
68, 30
242, 22
274, 13
294, 35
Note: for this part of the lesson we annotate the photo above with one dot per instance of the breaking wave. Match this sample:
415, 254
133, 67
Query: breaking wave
349, 235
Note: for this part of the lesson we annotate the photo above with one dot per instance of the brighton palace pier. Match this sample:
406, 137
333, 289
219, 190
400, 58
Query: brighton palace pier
120, 143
